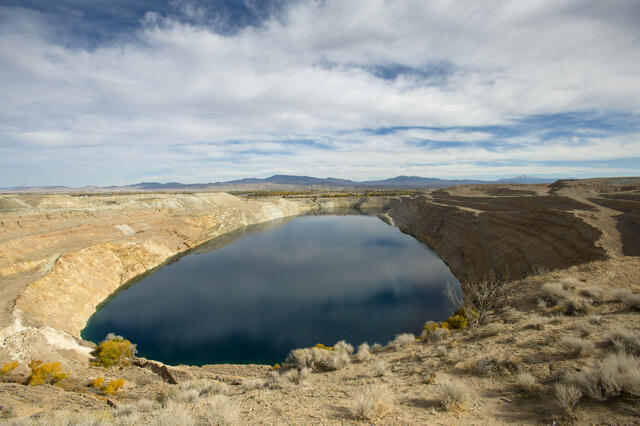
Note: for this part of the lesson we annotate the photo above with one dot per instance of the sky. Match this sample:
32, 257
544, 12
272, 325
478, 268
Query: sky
113, 92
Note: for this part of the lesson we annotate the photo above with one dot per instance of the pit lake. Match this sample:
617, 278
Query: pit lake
255, 295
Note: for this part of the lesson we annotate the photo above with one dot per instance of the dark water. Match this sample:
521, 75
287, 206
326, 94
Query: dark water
309, 280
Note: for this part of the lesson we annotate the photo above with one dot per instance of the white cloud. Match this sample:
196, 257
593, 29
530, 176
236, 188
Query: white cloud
130, 104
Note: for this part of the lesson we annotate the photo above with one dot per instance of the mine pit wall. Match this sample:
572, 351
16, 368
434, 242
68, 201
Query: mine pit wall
475, 242
81, 280
470, 242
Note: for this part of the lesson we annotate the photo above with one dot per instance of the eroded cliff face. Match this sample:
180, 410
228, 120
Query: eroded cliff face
87, 248
512, 235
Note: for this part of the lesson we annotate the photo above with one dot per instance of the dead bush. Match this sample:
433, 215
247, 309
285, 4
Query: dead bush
480, 298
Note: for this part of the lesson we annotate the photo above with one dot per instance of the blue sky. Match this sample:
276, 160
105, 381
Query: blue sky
116, 92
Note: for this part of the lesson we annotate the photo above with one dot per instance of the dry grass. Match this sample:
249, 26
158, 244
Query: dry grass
299, 377
595, 319
552, 293
492, 329
593, 292
375, 401
527, 383
627, 297
576, 346
379, 367
624, 340
453, 394
220, 410
567, 396
616, 375
205, 387
251, 384
577, 306
402, 340
363, 354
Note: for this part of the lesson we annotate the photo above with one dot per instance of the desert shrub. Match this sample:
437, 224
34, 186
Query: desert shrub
453, 394
296, 376
576, 306
626, 296
8, 367
493, 365
276, 366
97, 383
624, 340
480, 297
221, 410
205, 387
621, 294
576, 346
583, 328
567, 396
50, 373
343, 346
173, 414
113, 386
552, 293
457, 322
591, 291
527, 383
376, 347
319, 359
379, 367
182, 395
440, 350
430, 326
618, 374
375, 401
251, 384
363, 353
132, 409
492, 329
595, 319
402, 340
114, 350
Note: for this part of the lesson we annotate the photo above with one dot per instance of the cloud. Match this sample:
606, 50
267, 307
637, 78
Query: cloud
375, 88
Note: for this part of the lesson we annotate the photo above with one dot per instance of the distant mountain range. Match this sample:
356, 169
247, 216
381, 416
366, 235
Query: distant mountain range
285, 182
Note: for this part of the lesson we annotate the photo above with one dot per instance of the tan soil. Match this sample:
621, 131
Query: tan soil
61, 255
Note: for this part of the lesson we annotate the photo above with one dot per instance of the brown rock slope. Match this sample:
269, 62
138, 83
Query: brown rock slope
514, 233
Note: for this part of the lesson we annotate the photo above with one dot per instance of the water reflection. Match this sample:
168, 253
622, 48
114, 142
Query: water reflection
312, 279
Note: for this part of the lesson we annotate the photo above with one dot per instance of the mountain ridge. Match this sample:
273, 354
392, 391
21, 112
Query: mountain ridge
285, 182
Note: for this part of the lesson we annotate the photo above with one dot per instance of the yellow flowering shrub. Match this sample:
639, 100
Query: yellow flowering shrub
50, 373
